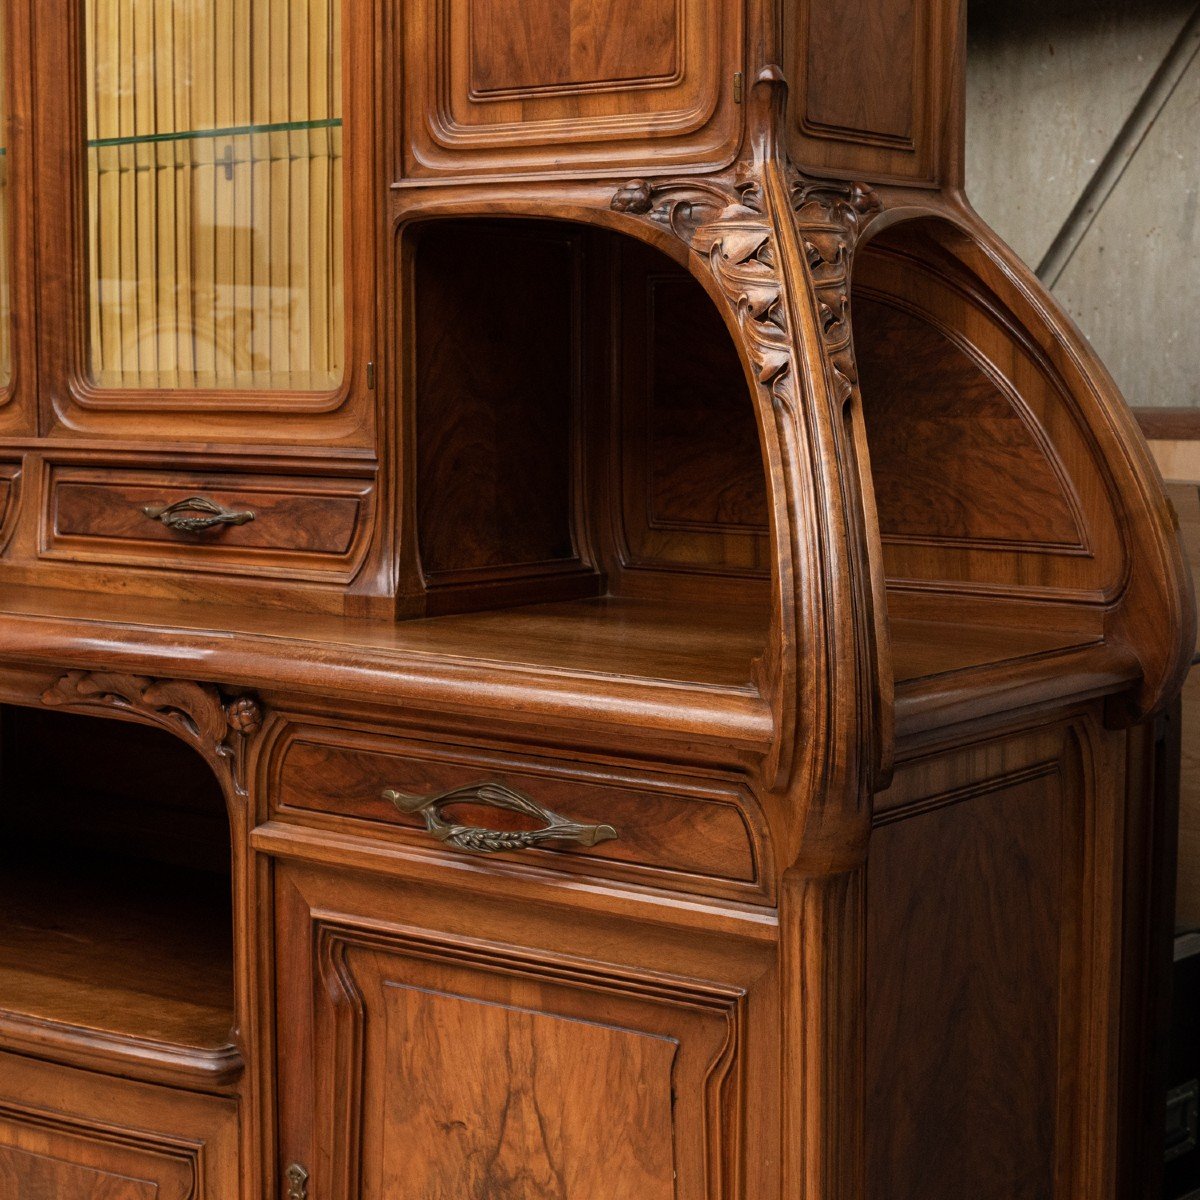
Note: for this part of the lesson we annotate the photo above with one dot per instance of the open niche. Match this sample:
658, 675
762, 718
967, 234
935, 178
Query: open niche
115, 898
993, 505
583, 456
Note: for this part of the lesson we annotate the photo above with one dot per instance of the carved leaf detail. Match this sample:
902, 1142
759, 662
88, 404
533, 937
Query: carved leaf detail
193, 711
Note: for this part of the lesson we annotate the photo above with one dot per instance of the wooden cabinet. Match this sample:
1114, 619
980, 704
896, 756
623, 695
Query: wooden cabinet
444, 1051
573, 626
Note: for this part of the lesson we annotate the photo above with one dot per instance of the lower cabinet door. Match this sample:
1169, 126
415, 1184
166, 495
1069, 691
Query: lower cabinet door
75, 1135
419, 1061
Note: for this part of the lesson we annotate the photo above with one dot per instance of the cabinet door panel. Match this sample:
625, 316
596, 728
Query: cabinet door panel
424, 1064
547, 86
874, 82
496, 1100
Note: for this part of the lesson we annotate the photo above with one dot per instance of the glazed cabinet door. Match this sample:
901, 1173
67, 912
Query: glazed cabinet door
426, 1056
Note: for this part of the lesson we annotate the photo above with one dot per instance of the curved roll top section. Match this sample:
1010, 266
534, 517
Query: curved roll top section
1007, 470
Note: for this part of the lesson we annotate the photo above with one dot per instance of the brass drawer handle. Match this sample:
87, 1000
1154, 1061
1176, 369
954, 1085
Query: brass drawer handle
196, 514
479, 840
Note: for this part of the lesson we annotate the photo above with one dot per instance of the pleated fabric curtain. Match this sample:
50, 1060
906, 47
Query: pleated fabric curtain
215, 194
5, 222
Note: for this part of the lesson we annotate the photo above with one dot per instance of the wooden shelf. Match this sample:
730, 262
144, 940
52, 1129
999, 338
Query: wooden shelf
683, 670
123, 966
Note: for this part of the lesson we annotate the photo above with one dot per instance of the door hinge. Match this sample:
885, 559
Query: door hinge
371, 376
739, 86
297, 1182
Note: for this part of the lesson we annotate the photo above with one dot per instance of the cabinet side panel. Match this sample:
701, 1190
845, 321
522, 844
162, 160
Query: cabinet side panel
965, 932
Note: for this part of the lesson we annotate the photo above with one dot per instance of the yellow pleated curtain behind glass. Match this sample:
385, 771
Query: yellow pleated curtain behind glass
215, 194
5, 245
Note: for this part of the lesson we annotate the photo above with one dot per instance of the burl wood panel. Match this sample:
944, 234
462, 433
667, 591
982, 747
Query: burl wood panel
514, 1104
452, 1050
692, 832
495, 416
567, 85
952, 456
690, 471
966, 908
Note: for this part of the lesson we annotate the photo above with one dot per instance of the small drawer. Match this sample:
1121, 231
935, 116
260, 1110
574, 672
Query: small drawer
692, 835
279, 525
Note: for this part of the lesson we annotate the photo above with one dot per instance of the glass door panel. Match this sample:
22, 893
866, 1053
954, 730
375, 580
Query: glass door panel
5, 211
214, 189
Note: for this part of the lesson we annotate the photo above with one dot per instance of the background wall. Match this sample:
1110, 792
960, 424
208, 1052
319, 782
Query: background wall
1083, 151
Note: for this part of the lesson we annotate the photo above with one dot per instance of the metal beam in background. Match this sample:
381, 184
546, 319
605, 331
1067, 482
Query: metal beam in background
1121, 153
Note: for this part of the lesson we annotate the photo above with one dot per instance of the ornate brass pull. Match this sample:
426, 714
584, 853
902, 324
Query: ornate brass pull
297, 1181
196, 514
479, 840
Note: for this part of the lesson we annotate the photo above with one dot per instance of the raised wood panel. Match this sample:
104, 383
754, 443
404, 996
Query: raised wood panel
517, 47
452, 1065
567, 85
301, 526
957, 460
879, 45
986, 477
25, 1175
688, 463
66, 1135
874, 88
501, 1101
690, 834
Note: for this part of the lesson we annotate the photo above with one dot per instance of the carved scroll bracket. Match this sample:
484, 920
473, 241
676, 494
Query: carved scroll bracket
217, 727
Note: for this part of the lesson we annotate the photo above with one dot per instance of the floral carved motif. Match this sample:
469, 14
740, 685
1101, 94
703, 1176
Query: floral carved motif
729, 225
195, 712
829, 218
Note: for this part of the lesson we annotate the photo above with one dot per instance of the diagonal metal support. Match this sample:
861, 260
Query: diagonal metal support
1121, 153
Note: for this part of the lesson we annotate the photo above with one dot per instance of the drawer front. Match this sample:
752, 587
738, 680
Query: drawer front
283, 525
693, 835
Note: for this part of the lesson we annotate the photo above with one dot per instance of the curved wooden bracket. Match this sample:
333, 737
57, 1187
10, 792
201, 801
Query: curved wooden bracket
218, 729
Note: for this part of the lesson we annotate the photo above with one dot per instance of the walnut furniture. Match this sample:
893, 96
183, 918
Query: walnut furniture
573, 625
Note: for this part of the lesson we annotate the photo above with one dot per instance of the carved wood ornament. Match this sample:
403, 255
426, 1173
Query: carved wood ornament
219, 729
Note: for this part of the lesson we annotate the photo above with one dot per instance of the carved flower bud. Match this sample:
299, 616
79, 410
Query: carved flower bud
244, 715
635, 197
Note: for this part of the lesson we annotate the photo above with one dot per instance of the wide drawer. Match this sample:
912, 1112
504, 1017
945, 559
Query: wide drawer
701, 835
281, 525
